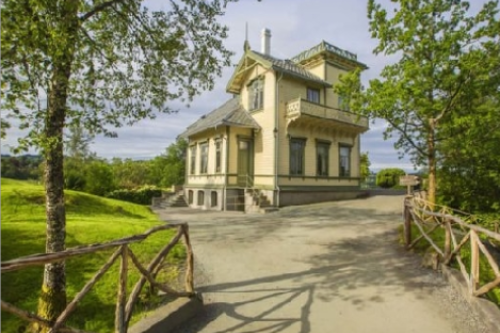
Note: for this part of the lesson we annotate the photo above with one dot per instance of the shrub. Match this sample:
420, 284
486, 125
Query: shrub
388, 178
141, 195
98, 178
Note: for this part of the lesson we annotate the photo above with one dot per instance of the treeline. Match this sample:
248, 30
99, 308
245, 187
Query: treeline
127, 179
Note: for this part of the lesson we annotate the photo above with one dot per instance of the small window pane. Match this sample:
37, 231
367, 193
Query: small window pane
203, 157
256, 95
322, 150
243, 145
345, 161
297, 148
192, 154
218, 156
313, 95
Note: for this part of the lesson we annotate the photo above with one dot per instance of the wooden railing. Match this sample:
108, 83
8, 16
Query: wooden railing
124, 306
458, 233
296, 107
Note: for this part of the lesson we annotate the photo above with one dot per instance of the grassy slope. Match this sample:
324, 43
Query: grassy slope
486, 273
90, 219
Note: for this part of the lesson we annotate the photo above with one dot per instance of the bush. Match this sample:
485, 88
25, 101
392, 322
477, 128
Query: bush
140, 196
98, 178
388, 178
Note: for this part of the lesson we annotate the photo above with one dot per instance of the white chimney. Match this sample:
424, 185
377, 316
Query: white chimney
266, 41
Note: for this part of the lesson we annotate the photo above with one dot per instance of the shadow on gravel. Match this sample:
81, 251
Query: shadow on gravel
375, 263
362, 264
281, 297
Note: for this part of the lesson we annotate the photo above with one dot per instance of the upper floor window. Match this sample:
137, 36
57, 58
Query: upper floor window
256, 94
218, 155
343, 104
204, 157
192, 156
297, 156
344, 161
322, 157
313, 95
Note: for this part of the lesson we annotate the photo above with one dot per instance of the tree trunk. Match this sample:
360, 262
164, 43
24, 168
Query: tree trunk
53, 295
431, 160
52, 300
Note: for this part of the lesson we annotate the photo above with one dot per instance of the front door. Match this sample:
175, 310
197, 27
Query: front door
245, 163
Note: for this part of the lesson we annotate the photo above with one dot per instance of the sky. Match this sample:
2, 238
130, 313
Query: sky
295, 25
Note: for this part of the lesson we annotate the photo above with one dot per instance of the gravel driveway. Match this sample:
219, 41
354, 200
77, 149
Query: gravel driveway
331, 267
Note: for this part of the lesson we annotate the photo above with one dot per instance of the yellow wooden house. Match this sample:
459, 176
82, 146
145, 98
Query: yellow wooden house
282, 139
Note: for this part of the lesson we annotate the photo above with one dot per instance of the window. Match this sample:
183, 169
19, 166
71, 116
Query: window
192, 153
297, 150
203, 157
218, 155
201, 198
313, 95
256, 94
213, 199
345, 161
322, 157
343, 104
190, 197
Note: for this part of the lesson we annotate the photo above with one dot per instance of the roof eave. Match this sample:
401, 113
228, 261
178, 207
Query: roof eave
232, 86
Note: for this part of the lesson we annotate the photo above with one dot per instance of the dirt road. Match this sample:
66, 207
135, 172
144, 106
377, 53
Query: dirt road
332, 267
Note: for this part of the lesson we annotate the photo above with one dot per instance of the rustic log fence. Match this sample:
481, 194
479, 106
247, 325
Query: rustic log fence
124, 306
429, 217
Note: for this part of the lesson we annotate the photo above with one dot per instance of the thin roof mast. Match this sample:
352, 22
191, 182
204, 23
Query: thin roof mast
246, 45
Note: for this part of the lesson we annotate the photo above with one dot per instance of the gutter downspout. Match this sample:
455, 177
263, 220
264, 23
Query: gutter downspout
276, 141
224, 188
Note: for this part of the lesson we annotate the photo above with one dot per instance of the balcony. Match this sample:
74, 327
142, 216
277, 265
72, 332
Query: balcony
298, 108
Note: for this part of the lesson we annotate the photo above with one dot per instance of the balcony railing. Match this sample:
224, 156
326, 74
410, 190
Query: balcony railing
297, 107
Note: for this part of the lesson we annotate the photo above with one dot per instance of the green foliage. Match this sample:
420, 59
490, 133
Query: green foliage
388, 178
140, 196
126, 61
90, 219
169, 169
98, 178
469, 177
445, 57
486, 274
130, 174
364, 166
21, 167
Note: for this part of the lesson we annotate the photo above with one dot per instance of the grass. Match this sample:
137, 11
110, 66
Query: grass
89, 219
486, 273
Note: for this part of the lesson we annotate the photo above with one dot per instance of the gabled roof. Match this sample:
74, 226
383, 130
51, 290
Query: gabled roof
250, 58
230, 113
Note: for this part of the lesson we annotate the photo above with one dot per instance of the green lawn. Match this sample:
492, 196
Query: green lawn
90, 219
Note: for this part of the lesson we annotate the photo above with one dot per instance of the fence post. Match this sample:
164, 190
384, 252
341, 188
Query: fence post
407, 223
474, 262
189, 282
120, 320
447, 241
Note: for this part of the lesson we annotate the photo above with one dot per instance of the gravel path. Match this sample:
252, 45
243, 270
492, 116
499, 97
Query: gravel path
332, 267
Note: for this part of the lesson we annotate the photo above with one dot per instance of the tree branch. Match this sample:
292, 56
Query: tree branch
99, 8
406, 137
452, 100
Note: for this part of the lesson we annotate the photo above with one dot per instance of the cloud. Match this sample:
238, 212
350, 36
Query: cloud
295, 25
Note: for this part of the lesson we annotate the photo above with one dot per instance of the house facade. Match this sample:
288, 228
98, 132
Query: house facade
283, 139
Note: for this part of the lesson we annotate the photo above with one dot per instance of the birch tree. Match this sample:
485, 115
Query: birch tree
442, 49
102, 64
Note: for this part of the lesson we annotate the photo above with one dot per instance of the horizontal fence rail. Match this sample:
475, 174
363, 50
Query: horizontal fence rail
124, 306
458, 233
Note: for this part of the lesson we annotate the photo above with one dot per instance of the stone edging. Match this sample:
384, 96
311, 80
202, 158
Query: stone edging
166, 318
484, 309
